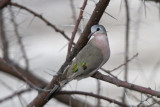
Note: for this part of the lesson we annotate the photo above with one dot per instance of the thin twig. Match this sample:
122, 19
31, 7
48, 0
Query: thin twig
111, 16
151, 105
21, 75
39, 82
157, 1
98, 93
14, 94
20, 42
155, 101
76, 27
40, 17
126, 44
73, 11
109, 71
127, 40
74, 14
125, 62
139, 105
133, 96
6, 85
11, 89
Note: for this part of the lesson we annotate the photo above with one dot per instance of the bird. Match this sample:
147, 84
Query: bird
91, 58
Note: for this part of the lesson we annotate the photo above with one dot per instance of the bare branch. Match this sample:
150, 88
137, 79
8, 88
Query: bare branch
40, 17
39, 83
110, 16
98, 93
4, 39
20, 42
126, 45
125, 84
76, 27
127, 40
151, 105
14, 94
94, 95
125, 62
73, 11
157, 1
148, 97
3, 63
109, 71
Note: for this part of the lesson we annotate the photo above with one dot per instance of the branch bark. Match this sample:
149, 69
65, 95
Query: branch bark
19, 38
125, 84
126, 46
157, 1
76, 27
94, 95
39, 83
3, 3
3, 37
14, 94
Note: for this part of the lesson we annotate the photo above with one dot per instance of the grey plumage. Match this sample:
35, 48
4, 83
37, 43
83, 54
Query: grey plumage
94, 54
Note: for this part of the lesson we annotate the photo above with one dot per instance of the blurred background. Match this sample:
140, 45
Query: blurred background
46, 49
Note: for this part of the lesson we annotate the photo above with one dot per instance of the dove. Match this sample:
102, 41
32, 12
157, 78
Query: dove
91, 58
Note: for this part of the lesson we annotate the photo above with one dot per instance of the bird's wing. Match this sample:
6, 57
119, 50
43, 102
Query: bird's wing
88, 60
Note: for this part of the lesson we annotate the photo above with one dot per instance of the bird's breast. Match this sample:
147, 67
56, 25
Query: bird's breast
101, 42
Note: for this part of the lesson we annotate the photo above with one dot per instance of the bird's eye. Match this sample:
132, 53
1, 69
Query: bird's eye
98, 29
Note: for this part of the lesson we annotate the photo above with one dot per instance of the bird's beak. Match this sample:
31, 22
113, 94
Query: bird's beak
90, 35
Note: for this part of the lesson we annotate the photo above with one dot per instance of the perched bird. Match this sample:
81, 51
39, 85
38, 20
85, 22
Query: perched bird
92, 57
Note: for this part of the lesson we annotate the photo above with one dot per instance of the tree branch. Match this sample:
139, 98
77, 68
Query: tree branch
20, 42
14, 94
126, 45
125, 62
76, 27
40, 17
110, 71
125, 84
73, 11
94, 95
157, 1
39, 83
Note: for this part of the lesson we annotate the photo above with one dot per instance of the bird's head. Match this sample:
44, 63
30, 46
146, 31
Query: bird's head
97, 29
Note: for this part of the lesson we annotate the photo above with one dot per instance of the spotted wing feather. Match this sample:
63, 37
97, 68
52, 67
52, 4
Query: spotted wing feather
88, 59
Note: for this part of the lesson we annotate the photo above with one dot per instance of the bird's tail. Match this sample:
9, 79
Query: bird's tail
62, 82
56, 89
